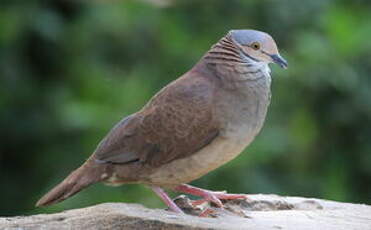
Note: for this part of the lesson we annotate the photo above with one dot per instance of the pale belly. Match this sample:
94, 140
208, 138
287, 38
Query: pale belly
217, 153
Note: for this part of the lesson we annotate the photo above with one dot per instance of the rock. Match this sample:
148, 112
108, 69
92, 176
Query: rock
259, 212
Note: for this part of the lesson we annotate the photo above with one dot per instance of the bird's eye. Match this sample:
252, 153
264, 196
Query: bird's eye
255, 45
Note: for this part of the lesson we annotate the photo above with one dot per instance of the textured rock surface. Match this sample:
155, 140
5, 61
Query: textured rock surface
260, 212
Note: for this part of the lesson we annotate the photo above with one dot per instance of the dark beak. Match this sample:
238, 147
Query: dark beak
279, 60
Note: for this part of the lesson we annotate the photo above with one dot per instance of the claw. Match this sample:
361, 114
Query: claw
206, 212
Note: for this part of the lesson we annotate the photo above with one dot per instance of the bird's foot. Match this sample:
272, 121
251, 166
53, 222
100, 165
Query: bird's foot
207, 195
214, 197
168, 201
189, 207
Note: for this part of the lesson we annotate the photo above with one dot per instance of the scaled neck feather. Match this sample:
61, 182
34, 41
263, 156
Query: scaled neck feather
229, 64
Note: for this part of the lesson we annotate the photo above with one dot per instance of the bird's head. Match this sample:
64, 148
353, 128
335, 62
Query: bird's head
257, 46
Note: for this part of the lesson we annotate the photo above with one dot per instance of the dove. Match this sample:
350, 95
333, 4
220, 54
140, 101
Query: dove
195, 124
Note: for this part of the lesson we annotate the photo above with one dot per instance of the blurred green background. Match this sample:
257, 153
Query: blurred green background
71, 69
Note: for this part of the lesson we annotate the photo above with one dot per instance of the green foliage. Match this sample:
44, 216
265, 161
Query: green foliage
69, 70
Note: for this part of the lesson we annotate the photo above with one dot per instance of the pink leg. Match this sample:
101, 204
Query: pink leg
208, 195
168, 201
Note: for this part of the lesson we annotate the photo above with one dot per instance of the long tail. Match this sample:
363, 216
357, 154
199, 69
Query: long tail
89, 173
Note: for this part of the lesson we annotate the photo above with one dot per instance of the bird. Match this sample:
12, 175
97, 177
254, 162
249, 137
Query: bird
200, 121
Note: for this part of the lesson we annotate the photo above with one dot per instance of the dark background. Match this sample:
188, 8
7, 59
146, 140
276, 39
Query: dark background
69, 70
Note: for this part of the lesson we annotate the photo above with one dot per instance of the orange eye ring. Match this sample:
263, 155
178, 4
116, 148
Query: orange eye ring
255, 45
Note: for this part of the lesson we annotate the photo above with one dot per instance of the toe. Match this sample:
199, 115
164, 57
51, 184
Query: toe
206, 212
215, 200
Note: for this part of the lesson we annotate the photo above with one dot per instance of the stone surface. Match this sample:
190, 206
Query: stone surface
260, 212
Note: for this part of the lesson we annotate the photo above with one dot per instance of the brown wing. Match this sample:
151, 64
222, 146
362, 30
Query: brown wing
176, 123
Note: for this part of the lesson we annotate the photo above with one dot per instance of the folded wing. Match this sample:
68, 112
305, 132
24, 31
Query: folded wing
176, 123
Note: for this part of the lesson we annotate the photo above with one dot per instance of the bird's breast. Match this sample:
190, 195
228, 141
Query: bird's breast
242, 112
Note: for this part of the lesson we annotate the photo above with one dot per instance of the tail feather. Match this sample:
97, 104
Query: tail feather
75, 182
